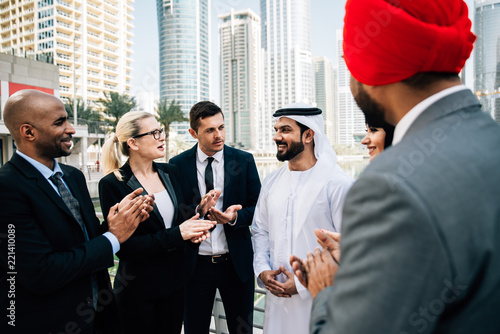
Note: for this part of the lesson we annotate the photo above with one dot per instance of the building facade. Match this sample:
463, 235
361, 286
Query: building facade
90, 41
350, 125
286, 39
325, 90
241, 80
487, 55
183, 32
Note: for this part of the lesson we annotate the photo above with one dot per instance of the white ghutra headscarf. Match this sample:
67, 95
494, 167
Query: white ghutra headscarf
311, 117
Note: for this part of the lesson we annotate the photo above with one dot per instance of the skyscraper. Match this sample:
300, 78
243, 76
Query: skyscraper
240, 73
324, 79
90, 41
286, 38
350, 124
487, 55
183, 32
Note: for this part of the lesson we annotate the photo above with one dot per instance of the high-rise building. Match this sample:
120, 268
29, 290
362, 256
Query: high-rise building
324, 79
350, 125
487, 55
90, 41
240, 75
183, 32
286, 39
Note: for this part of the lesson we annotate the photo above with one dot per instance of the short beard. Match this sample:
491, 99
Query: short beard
292, 151
374, 111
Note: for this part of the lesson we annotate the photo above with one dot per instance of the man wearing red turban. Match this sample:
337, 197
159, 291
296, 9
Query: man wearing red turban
421, 226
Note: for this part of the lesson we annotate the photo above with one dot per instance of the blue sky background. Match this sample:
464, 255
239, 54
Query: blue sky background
326, 17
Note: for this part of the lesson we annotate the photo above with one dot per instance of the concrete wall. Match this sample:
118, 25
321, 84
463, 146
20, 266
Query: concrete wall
27, 72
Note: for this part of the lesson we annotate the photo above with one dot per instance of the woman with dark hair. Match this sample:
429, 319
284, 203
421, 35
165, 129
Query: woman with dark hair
378, 137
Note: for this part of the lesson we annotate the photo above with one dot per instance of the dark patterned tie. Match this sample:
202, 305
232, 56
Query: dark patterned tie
209, 179
69, 200
74, 207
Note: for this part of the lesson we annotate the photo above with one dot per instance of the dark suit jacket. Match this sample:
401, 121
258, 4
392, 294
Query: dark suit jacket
151, 259
421, 232
52, 259
241, 186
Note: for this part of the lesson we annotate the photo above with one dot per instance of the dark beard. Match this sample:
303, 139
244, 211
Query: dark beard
374, 112
292, 151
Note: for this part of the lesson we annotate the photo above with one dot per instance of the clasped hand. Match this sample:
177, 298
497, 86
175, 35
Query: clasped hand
279, 289
319, 269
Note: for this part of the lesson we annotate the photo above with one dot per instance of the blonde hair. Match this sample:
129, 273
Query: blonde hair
128, 126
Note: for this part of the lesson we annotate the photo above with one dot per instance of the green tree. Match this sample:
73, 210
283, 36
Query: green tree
115, 106
168, 113
83, 111
86, 115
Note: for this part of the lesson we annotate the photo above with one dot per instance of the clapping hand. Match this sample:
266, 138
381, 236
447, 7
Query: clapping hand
208, 201
224, 217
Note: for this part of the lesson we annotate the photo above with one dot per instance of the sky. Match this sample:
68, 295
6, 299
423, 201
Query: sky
326, 18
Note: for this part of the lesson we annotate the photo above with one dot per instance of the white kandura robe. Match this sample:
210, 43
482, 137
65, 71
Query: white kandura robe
290, 206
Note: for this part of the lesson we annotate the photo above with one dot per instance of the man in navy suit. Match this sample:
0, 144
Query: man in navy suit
53, 258
224, 261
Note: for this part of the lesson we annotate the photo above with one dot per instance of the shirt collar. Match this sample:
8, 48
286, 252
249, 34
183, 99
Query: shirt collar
202, 156
44, 170
410, 117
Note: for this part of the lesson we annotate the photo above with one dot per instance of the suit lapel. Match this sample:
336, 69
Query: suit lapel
32, 173
77, 192
192, 173
229, 169
165, 179
133, 184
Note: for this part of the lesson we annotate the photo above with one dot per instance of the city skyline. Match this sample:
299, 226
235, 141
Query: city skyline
325, 18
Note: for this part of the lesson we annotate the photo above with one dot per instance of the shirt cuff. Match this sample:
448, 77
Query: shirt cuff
113, 240
233, 223
301, 290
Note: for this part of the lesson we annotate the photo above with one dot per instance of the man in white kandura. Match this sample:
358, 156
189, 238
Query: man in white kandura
304, 194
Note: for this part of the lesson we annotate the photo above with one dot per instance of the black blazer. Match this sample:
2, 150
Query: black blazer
53, 261
151, 259
241, 186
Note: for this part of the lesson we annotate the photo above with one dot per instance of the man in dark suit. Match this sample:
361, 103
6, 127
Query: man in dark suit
223, 261
421, 226
54, 260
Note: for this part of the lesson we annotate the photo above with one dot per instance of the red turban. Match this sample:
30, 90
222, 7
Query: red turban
387, 41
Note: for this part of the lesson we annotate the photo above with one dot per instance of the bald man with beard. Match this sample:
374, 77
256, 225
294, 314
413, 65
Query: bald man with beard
53, 256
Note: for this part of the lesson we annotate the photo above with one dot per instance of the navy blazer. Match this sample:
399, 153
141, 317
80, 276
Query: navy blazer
53, 262
151, 260
241, 186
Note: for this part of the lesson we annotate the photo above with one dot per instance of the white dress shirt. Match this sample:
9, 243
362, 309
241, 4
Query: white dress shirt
217, 243
166, 207
408, 119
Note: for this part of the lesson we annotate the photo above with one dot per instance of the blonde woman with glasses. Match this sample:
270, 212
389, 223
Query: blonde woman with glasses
150, 277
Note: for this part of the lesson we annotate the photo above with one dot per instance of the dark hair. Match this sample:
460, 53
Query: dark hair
201, 110
388, 128
303, 128
423, 80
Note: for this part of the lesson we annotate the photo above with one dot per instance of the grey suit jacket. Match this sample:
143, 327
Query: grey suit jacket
421, 232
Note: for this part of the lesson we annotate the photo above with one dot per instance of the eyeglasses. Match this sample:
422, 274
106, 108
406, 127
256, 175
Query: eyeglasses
156, 134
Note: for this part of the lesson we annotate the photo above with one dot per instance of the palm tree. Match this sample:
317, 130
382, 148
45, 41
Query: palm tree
115, 106
83, 111
168, 113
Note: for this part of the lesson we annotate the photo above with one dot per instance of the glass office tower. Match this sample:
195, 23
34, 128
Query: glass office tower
487, 55
183, 32
286, 39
